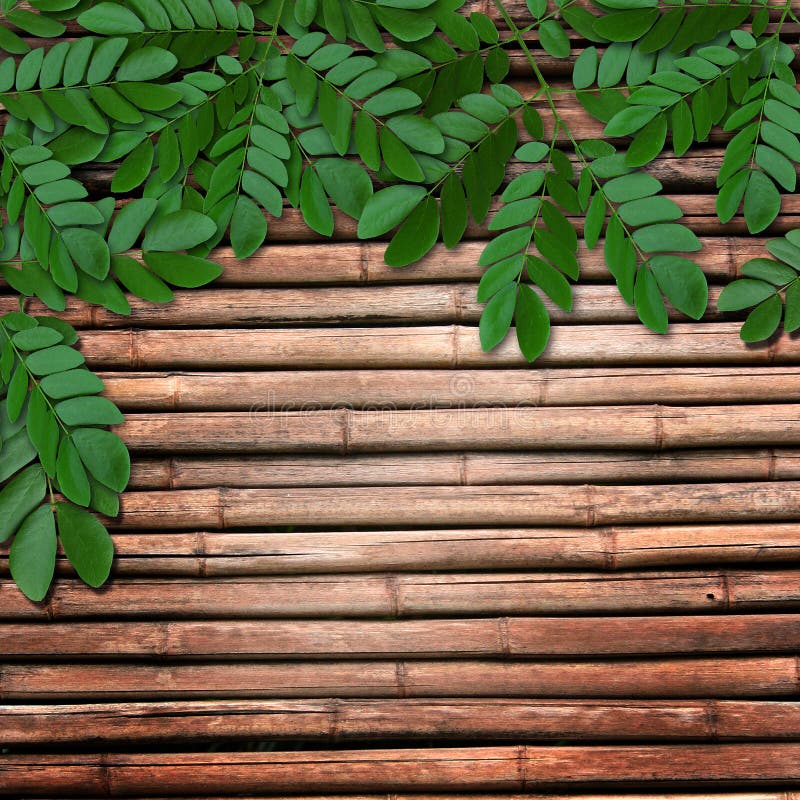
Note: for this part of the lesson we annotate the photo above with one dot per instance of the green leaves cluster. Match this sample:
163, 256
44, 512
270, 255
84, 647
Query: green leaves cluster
210, 117
770, 287
53, 440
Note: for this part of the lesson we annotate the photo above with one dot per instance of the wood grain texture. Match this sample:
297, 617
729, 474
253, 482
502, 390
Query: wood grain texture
357, 720
652, 427
723, 676
503, 637
444, 769
468, 468
587, 505
207, 554
415, 595
427, 346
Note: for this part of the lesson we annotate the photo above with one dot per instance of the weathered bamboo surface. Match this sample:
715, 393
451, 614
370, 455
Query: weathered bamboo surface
361, 559
426, 346
417, 595
466, 769
361, 720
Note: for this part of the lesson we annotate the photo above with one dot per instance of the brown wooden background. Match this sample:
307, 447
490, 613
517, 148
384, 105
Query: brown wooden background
361, 557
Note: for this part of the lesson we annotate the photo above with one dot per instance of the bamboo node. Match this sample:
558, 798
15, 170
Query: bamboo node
346, 417
105, 775
455, 355
458, 305
162, 646
522, 766
610, 554
463, 466
542, 385
400, 678
334, 711
727, 594
591, 506
504, 635
772, 464
363, 263
712, 719
393, 594
175, 391
659, 427
222, 498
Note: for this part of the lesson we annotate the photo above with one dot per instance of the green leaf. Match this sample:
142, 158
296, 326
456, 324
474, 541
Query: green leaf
647, 299
71, 475
550, 281
109, 18
134, 169
314, 203
32, 558
36, 338
88, 250
146, 64
532, 323
762, 202
180, 230
43, 431
763, 320
72, 383
347, 183
744, 293
584, 71
666, 238
53, 359
553, 39
104, 455
498, 276
496, 317
19, 497
86, 543
791, 321
129, 223
454, 211
387, 208
248, 228
630, 120
682, 282
416, 236
88, 411
182, 270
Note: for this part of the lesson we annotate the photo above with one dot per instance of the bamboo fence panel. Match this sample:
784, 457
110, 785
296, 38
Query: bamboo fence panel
372, 562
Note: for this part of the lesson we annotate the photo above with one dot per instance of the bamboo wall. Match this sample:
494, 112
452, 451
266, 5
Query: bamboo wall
360, 557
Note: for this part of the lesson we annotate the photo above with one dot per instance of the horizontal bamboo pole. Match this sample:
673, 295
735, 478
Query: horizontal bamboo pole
587, 505
410, 596
337, 720
502, 637
467, 468
698, 212
207, 554
343, 430
708, 795
475, 768
432, 303
286, 390
362, 262
721, 677
444, 346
